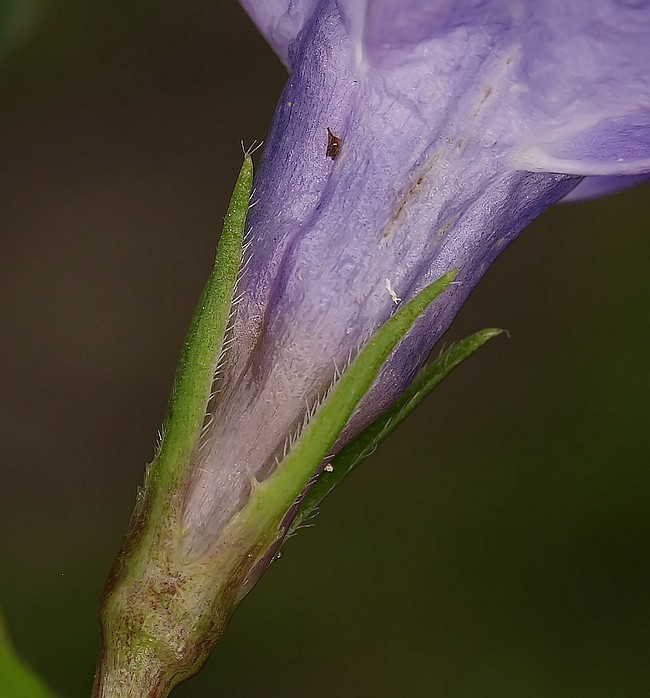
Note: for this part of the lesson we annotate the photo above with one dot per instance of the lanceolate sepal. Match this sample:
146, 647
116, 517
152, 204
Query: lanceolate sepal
144, 637
203, 346
365, 444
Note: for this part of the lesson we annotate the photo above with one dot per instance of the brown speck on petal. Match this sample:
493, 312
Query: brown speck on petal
333, 145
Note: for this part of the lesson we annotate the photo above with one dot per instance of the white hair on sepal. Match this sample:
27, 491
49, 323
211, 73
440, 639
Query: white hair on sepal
293, 437
247, 240
252, 148
229, 337
160, 437
207, 422
237, 300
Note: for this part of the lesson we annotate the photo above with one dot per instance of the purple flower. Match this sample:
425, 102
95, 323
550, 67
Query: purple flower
413, 137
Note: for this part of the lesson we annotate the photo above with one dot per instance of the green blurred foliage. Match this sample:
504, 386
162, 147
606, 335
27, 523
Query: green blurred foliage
17, 19
16, 678
496, 545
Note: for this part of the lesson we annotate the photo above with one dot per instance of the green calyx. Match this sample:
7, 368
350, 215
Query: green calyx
161, 613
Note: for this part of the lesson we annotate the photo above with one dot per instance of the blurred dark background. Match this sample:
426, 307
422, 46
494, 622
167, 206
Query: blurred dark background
497, 545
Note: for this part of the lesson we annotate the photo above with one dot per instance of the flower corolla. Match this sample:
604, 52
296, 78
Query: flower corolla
413, 137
